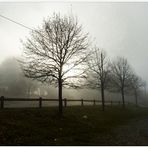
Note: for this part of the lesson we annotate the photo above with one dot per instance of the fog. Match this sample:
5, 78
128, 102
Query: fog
120, 29
15, 85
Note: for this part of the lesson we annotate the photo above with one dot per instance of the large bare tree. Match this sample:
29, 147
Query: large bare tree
98, 71
120, 78
56, 53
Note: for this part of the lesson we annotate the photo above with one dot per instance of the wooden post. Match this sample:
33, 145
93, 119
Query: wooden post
2, 102
65, 102
82, 102
94, 102
111, 103
40, 102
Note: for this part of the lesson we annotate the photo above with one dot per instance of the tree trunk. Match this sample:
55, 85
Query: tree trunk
60, 97
102, 96
136, 99
123, 102
102, 82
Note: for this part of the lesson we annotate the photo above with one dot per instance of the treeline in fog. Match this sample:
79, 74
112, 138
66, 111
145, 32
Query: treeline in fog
60, 55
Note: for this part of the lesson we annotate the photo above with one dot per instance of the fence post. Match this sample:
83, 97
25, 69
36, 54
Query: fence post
2, 102
82, 102
94, 102
111, 103
40, 102
65, 102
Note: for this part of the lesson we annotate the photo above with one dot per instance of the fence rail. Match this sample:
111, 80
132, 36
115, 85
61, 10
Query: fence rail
65, 101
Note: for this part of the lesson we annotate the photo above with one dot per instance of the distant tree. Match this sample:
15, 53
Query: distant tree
136, 84
56, 53
31, 86
98, 64
144, 86
120, 77
12, 80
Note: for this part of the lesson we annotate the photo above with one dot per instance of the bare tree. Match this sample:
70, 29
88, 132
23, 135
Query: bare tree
136, 84
56, 53
98, 72
120, 78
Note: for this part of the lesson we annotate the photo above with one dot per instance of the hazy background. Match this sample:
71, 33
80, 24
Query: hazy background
119, 28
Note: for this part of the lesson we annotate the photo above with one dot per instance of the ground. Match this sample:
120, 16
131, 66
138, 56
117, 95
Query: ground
86, 125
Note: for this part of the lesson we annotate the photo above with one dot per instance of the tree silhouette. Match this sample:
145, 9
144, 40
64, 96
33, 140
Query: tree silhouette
120, 77
56, 53
136, 84
98, 72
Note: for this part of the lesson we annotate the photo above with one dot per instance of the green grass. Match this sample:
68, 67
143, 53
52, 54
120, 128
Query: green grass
36, 126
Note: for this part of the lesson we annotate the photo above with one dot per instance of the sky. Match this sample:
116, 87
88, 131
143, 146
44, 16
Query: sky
121, 29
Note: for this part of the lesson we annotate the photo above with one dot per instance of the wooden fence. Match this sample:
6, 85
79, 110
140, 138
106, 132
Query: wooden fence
65, 101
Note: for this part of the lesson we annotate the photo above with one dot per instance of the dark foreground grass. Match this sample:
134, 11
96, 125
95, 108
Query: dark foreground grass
43, 127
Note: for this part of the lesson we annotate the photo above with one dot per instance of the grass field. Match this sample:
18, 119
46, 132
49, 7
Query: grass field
43, 127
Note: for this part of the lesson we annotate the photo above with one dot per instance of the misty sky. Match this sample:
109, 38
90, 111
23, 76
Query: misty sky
119, 28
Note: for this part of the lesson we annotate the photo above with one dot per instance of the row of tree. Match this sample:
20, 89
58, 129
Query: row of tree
59, 53
114, 76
